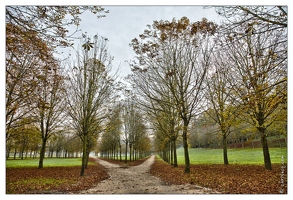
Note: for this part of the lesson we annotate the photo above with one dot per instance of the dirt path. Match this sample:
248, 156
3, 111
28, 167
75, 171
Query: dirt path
138, 180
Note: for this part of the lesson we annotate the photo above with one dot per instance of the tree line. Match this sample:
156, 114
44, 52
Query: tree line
64, 106
234, 72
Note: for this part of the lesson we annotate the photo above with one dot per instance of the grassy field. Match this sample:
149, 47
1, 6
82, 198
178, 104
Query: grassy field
48, 162
235, 156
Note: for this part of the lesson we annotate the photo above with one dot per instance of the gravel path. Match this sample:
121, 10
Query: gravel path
138, 180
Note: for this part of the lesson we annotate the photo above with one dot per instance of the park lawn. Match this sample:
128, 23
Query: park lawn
48, 162
235, 156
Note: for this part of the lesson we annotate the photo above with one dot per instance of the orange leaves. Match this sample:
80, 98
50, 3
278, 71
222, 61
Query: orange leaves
154, 39
48, 22
229, 179
52, 179
204, 27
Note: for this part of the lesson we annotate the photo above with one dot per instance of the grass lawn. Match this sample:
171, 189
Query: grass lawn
48, 162
235, 156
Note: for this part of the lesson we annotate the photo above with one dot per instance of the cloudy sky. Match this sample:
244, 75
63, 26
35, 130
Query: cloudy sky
124, 23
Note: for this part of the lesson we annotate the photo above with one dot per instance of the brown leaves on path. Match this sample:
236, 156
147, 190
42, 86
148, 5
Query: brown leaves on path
227, 179
54, 180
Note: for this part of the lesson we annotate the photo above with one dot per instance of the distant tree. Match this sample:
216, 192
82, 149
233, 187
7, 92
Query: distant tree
24, 138
167, 124
111, 136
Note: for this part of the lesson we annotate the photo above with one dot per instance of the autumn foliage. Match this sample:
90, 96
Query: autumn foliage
54, 180
227, 179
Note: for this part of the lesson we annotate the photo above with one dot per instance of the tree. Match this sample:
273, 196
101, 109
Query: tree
275, 16
259, 75
112, 135
49, 104
24, 137
155, 102
134, 127
90, 91
166, 124
48, 23
219, 91
22, 63
137, 133
129, 123
176, 54
32, 34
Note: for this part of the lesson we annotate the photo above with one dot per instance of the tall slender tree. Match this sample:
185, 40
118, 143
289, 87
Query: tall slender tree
219, 94
50, 104
90, 91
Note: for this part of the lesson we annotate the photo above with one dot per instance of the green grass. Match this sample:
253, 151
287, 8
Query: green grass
48, 162
235, 156
43, 181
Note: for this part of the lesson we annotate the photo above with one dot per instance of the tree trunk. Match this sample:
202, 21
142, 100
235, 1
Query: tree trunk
164, 155
167, 154
14, 155
22, 152
171, 151
84, 155
225, 152
130, 153
175, 153
185, 146
7, 153
116, 153
87, 157
120, 153
265, 148
126, 144
42, 153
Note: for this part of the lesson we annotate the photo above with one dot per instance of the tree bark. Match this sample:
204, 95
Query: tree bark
130, 153
266, 153
42, 153
87, 156
126, 143
84, 155
171, 153
120, 153
175, 153
225, 151
185, 146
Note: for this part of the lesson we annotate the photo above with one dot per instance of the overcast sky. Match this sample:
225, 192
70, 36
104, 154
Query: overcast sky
124, 23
